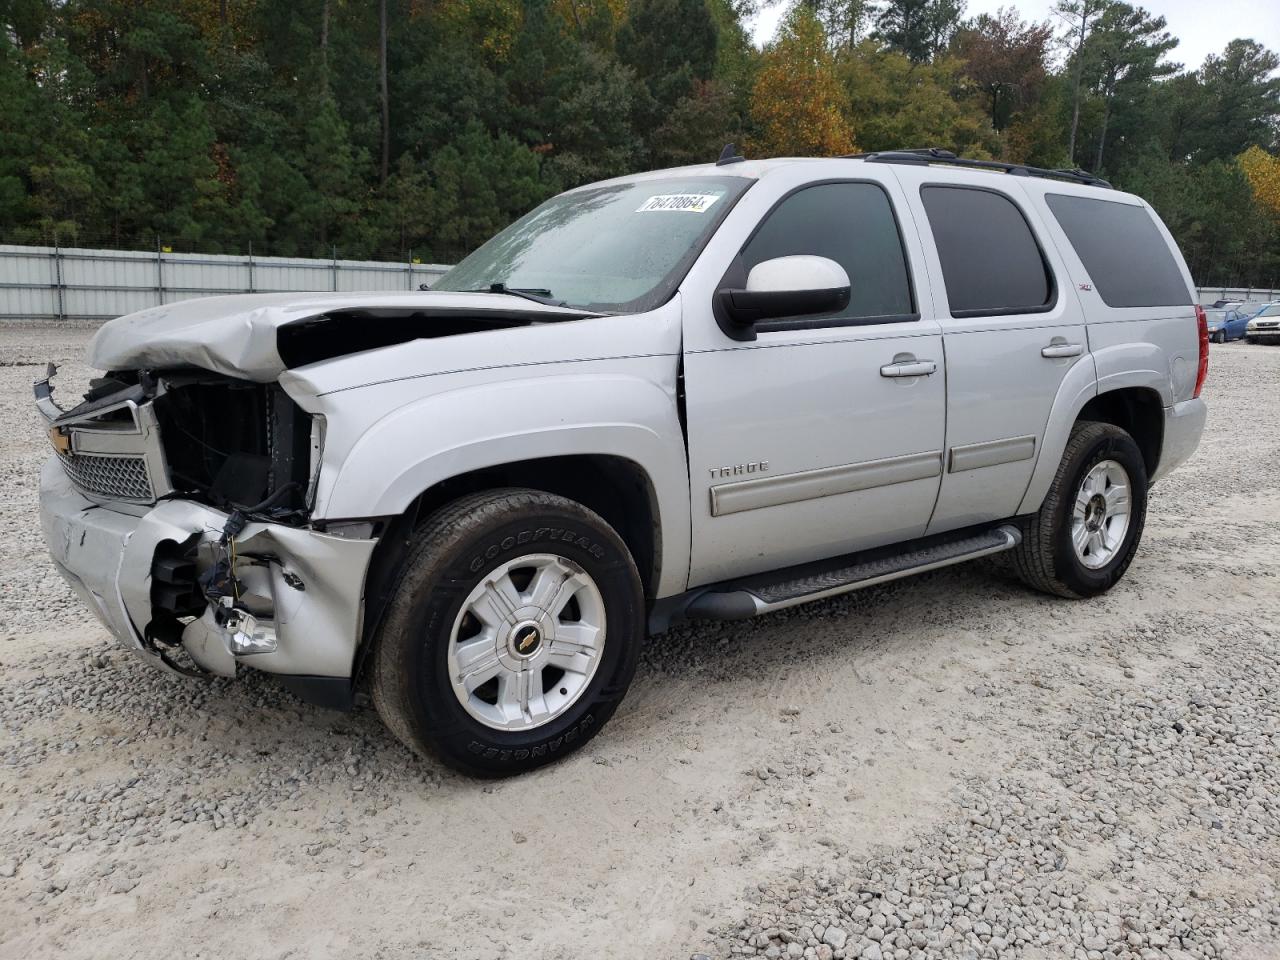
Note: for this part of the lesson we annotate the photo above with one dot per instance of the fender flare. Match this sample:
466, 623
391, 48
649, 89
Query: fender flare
432, 439
1078, 387
1081, 385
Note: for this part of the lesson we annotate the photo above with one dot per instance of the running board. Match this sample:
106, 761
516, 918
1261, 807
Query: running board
757, 595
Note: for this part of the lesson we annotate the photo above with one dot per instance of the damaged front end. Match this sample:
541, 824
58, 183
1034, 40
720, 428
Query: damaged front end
178, 506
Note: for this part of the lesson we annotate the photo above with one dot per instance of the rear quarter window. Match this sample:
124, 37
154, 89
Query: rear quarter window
1128, 259
991, 262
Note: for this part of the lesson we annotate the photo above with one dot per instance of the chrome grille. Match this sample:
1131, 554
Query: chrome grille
113, 478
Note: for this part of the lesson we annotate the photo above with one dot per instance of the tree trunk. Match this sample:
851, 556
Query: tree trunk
1102, 140
324, 35
386, 100
1075, 98
144, 81
222, 12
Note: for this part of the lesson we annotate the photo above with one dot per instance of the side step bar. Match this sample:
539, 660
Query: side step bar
757, 595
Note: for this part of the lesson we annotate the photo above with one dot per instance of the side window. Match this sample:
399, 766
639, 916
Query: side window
852, 224
991, 263
1128, 260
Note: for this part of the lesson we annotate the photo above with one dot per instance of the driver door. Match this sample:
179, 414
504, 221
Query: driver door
823, 435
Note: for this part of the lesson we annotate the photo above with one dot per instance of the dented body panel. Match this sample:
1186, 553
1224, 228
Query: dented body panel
107, 558
238, 335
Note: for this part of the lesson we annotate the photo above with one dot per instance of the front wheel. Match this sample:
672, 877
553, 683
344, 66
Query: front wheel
1083, 538
512, 635
1219, 337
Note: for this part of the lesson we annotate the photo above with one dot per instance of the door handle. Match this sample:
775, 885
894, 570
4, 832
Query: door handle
909, 368
1056, 351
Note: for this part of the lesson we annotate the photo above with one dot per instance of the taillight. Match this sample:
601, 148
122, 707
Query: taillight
1203, 370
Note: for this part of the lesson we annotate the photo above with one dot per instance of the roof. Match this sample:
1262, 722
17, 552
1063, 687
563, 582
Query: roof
934, 157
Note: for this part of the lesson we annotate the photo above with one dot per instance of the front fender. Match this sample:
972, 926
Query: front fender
433, 438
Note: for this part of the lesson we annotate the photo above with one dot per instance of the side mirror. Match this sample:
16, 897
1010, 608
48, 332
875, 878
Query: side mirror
786, 287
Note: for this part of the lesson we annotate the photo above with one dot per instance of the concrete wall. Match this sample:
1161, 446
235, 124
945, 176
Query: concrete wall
50, 283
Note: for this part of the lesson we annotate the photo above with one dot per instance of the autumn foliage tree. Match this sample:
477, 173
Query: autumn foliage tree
1005, 57
1262, 170
798, 107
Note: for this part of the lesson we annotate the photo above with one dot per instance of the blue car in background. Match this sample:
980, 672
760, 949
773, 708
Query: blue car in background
1228, 323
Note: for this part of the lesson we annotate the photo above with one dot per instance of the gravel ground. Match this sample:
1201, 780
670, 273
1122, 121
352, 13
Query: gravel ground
950, 766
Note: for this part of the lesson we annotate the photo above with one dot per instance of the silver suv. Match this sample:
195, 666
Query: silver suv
709, 392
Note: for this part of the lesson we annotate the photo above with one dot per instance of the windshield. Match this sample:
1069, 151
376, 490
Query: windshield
1271, 311
623, 247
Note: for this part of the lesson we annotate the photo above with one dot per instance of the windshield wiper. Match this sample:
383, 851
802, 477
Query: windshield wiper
536, 294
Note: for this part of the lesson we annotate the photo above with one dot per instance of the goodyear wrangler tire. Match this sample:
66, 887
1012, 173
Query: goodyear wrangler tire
512, 634
1084, 536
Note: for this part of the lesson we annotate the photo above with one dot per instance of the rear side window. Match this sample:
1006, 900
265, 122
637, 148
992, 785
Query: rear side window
1127, 258
991, 262
852, 224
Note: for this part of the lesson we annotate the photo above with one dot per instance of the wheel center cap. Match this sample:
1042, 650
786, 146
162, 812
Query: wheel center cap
525, 639
1096, 512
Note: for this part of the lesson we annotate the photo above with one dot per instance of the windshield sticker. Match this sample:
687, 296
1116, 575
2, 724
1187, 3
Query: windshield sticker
679, 203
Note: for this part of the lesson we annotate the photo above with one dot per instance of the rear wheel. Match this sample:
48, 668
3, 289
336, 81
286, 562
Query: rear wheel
1084, 536
512, 635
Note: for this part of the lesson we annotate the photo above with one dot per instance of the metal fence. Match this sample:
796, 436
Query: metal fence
1247, 294
64, 283
81, 284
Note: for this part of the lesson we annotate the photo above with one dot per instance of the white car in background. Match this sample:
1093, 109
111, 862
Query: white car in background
1265, 326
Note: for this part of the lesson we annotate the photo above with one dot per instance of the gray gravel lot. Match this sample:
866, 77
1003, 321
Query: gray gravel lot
950, 766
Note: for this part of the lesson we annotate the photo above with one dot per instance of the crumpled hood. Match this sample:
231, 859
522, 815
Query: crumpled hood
238, 335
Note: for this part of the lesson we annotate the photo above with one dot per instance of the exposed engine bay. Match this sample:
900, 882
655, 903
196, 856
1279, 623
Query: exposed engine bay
236, 444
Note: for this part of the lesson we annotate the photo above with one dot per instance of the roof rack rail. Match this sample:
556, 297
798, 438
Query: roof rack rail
931, 155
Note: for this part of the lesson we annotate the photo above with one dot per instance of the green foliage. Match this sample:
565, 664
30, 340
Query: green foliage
220, 125
1225, 236
671, 47
1234, 100
902, 104
919, 29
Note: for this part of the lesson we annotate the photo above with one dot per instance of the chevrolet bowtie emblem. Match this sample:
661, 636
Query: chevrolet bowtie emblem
61, 441
526, 640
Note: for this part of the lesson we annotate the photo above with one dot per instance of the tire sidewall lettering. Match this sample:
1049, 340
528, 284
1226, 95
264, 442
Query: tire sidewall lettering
548, 748
492, 552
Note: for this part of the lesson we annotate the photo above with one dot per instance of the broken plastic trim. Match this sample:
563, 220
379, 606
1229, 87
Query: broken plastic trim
44, 395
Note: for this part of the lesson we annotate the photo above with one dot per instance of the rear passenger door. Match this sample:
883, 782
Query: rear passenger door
1012, 331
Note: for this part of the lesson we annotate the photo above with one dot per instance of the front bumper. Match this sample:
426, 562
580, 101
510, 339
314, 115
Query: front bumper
310, 584
1183, 425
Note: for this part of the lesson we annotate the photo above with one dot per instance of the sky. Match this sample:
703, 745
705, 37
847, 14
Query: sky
1202, 26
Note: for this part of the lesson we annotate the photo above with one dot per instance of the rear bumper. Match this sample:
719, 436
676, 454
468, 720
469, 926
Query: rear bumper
311, 584
1183, 425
